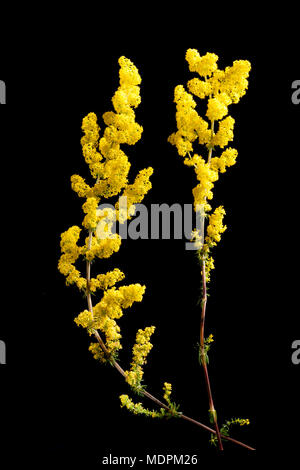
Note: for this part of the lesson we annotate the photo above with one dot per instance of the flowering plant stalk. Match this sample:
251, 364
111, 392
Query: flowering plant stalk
109, 167
221, 88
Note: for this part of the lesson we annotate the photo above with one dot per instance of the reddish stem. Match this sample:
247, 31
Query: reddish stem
212, 410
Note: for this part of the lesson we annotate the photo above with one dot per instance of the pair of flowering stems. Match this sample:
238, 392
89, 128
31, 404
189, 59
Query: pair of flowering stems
109, 172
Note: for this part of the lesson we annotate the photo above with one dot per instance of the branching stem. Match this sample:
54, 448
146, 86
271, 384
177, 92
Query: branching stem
117, 366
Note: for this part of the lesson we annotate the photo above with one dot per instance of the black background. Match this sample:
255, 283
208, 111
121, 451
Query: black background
58, 405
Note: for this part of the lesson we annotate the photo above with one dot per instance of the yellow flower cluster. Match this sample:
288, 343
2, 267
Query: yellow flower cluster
209, 339
89, 143
108, 164
90, 209
70, 254
104, 281
204, 65
114, 300
85, 319
189, 124
106, 218
110, 308
221, 88
101, 248
227, 158
134, 194
97, 352
199, 88
140, 351
224, 133
138, 408
209, 266
109, 167
167, 391
142, 345
214, 230
215, 226
197, 240
206, 175
216, 109
79, 185
240, 421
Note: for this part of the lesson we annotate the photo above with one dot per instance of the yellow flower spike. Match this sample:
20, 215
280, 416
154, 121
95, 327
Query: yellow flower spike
199, 87
85, 319
167, 391
130, 294
91, 130
97, 352
70, 254
224, 133
235, 81
138, 408
204, 65
215, 227
134, 193
193, 58
110, 278
209, 266
90, 208
196, 238
109, 166
79, 186
129, 74
227, 159
210, 339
